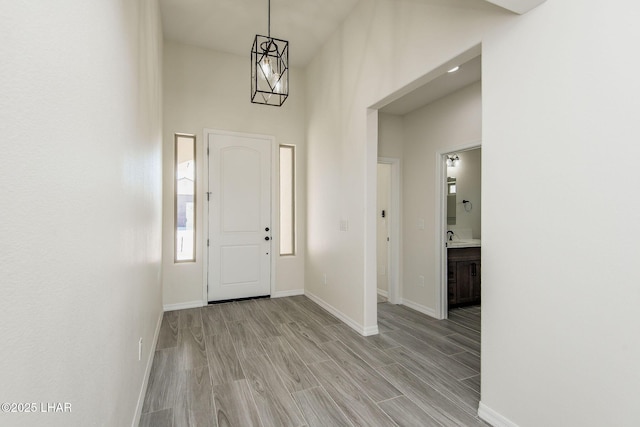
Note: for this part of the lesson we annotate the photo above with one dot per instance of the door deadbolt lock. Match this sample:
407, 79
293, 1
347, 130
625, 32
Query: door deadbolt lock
266, 229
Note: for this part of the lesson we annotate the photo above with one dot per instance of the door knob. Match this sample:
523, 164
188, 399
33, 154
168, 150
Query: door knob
266, 229
267, 238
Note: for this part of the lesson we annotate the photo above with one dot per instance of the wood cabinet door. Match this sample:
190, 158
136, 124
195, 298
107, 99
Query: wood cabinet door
465, 281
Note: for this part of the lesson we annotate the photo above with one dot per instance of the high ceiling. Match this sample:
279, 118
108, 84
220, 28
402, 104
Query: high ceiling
230, 26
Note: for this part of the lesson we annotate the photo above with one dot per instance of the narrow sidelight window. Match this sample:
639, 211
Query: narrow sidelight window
184, 201
287, 200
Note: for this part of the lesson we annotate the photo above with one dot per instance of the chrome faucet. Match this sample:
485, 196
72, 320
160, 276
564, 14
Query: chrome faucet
450, 235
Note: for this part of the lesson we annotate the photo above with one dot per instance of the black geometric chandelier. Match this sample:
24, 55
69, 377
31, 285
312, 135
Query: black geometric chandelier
269, 69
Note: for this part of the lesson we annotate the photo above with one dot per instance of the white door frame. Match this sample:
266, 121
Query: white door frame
395, 272
275, 223
442, 302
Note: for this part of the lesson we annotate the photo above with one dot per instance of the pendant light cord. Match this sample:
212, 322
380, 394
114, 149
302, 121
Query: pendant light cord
269, 19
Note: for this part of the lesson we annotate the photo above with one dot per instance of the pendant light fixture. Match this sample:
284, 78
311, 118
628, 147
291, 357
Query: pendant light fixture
269, 69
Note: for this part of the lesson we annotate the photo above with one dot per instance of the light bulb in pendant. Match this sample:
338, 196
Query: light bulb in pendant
265, 64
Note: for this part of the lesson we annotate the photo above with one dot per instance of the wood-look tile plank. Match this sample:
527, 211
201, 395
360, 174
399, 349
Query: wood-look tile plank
441, 381
459, 329
353, 402
465, 343
234, 405
369, 380
365, 349
405, 413
465, 312
306, 348
382, 341
194, 405
286, 306
212, 320
299, 315
232, 312
464, 321
427, 330
261, 324
245, 340
473, 383
404, 317
190, 318
468, 359
430, 400
275, 405
163, 418
319, 410
163, 381
384, 326
318, 313
316, 334
224, 365
438, 342
273, 311
168, 336
191, 348
292, 370
436, 358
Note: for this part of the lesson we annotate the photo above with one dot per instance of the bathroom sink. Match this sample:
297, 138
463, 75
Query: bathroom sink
467, 243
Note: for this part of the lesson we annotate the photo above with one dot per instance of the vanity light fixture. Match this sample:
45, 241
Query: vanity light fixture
453, 160
269, 69
454, 69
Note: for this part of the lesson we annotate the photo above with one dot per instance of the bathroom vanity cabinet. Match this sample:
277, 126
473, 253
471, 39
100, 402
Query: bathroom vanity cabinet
463, 268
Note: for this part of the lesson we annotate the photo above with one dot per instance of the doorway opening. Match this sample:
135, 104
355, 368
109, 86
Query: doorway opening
461, 229
388, 230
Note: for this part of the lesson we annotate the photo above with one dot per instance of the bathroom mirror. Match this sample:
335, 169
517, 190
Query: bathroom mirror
451, 200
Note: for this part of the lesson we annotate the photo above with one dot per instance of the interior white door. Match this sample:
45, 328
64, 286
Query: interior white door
382, 223
239, 260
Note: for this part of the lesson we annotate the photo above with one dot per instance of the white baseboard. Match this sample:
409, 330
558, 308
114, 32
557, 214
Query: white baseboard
383, 293
371, 330
147, 373
183, 305
494, 418
418, 307
291, 293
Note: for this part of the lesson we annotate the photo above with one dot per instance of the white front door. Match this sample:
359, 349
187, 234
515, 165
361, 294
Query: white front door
239, 185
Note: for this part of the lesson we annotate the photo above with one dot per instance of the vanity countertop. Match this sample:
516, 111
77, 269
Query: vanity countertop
463, 243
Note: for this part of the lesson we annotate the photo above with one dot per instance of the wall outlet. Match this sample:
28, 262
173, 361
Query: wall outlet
324, 278
420, 224
344, 225
421, 281
140, 349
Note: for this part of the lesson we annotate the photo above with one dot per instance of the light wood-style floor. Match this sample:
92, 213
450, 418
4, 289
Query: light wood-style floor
288, 362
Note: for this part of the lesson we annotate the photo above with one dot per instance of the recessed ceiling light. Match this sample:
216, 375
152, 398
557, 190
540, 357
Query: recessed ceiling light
453, 70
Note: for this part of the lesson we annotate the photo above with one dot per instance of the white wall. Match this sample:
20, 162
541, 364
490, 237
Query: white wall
560, 302
207, 89
390, 135
438, 127
382, 46
80, 219
560, 305
468, 176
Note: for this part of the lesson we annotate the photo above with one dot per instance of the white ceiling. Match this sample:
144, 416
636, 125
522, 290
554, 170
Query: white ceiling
443, 85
